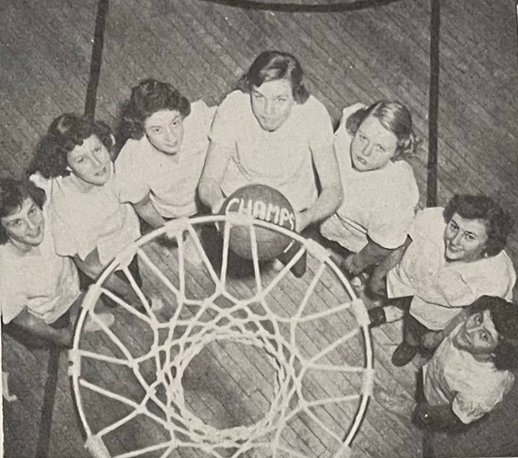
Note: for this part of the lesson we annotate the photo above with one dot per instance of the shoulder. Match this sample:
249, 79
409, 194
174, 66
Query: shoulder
236, 99
201, 114
404, 178
431, 215
314, 106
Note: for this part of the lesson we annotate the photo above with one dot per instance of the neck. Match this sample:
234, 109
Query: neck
22, 248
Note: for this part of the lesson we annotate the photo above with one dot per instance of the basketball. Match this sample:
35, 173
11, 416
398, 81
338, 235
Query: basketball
266, 204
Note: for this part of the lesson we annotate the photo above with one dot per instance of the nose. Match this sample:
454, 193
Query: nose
170, 136
268, 107
96, 159
367, 150
456, 240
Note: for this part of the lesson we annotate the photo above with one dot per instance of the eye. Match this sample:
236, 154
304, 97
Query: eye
470, 237
282, 99
378, 149
485, 336
478, 318
453, 226
156, 130
80, 160
15, 224
32, 211
176, 122
257, 96
362, 137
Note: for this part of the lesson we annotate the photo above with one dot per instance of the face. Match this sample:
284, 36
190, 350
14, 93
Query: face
373, 146
477, 335
25, 228
464, 239
272, 102
90, 162
164, 130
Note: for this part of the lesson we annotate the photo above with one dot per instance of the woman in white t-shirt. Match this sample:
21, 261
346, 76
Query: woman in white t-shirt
470, 372
380, 191
91, 224
271, 131
39, 290
165, 140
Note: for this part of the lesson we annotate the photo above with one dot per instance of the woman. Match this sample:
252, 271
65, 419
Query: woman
271, 131
380, 192
452, 256
90, 223
470, 372
165, 144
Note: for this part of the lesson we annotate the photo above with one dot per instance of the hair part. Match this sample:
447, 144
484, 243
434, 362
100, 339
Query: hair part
148, 97
498, 222
12, 195
272, 66
65, 133
394, 117
505, 318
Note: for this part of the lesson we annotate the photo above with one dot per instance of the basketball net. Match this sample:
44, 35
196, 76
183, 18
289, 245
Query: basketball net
176, 341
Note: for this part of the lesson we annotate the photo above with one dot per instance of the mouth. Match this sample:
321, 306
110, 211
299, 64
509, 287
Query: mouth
101, 172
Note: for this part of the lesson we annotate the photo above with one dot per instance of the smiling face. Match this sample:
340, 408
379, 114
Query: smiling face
272, 102
373, 146
25, 228
478, 335
164, 130
90, 162
464, 239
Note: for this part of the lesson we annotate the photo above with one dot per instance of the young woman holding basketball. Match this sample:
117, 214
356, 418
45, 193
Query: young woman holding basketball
165, 140
90, 223
270, 131
380, 191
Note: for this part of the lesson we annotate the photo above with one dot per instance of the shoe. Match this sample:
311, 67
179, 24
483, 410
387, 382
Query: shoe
92, 326
299, 268
377, 316
403, 354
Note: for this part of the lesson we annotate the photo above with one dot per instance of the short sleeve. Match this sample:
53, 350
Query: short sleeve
393, 217
130, 173
422, 221
231, 111
320, 124
63, 231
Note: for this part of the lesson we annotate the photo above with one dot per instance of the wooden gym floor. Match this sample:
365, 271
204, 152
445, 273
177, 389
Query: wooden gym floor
202, 47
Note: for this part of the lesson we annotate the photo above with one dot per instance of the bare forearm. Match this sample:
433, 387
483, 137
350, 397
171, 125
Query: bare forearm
148, 213
210, 193
371, 254
327, 203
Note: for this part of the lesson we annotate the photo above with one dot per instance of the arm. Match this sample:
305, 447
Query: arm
331, 196
376, 281
148, 213
36, 326
437, 417
212, 176
92, 267
370, 254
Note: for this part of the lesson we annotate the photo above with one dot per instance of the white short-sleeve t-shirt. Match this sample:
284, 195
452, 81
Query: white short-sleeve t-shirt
454, 377
92, 219
40, 280
281, 159
378, 204
440, 288
170, 181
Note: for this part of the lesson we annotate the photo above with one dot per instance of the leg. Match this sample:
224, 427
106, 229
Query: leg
413, 331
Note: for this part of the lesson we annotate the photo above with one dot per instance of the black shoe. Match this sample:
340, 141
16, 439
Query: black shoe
377, 317
403, 354
299, 268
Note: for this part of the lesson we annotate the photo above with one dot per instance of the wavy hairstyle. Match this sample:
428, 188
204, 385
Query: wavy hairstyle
393, 116
275, 65
148, 97
505, 318
65, 133
12, 194
498, 222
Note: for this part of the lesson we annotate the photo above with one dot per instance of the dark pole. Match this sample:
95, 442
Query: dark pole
97, 56
433, 104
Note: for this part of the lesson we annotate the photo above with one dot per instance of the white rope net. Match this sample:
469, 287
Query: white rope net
290, 360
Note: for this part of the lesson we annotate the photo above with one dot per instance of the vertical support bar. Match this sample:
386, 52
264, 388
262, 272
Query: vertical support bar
433, 103
97, 56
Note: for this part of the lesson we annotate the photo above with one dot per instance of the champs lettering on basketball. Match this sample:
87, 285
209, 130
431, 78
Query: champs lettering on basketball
265, 211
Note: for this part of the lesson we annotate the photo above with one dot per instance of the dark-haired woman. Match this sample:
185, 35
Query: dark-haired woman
166, 141
90, 223
380, 191
271, 131
452, 256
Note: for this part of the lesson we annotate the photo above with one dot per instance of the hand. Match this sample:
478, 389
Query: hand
349, 265
217, 206
64, 337
302, 220
432, 339
378, 284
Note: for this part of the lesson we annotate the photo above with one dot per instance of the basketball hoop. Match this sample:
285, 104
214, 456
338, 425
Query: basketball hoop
128, 380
